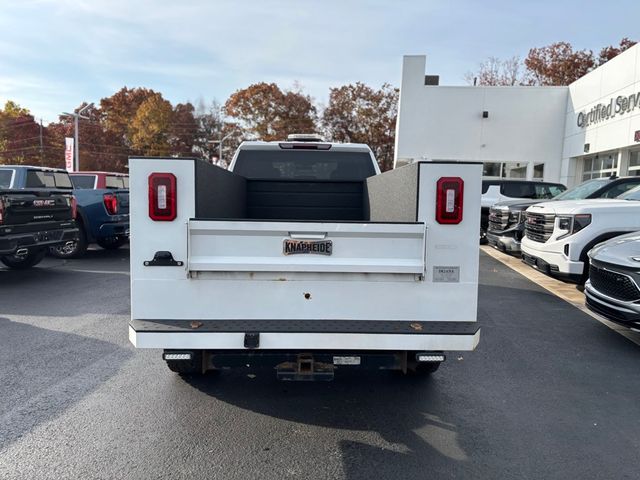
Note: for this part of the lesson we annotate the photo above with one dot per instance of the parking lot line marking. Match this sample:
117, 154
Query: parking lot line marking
110, 272
566, 291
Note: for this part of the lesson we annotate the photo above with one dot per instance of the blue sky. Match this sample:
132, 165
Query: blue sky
56, 54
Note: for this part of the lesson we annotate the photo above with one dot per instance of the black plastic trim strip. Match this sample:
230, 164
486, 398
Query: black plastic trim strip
404, 327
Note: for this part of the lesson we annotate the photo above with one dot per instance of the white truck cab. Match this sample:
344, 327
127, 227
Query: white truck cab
558, 235
303, 256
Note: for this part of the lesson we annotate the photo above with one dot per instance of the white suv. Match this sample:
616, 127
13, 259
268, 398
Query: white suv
559, 234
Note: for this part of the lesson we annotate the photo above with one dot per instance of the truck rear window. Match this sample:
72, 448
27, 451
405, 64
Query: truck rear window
5, 178
113, 181
84, 181
304, 165
47, 179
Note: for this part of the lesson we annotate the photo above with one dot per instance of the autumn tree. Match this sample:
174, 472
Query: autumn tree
19, 136
267, 113
607, 53
494, 71
558, 64
149, 128
119, 110
360, 114
212, 128
183, 129
100, 149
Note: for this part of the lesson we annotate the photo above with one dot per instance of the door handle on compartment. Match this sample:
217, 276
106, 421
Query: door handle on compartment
308, 235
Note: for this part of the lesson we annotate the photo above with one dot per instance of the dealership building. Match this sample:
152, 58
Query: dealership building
568, 134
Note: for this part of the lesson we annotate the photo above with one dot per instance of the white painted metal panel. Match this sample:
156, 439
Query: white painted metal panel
238, 246
376, 272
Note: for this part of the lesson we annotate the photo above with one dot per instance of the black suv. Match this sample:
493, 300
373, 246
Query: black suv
506, 219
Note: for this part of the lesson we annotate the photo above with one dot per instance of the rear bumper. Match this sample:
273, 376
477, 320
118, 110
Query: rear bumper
297, 335
116, 229
40, 238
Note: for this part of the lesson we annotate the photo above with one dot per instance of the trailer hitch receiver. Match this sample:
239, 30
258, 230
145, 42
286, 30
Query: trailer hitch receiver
305, 368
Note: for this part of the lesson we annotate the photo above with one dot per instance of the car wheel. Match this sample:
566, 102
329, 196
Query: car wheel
21, 262
72, 249
111, 243
483, 236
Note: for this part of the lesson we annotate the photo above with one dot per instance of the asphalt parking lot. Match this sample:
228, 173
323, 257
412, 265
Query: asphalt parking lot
549, 393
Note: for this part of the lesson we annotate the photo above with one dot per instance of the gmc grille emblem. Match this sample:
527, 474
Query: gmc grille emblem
44, 203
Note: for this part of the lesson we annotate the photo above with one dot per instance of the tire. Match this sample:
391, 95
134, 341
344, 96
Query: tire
23, 262
422, 369
76, 251
483, 236
111, 243
194, 367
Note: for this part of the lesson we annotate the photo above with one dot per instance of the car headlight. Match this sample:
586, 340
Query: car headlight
573, 224
515, 217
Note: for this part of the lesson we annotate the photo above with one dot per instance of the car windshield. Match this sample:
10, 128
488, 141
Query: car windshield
6, 175
583, 190
633, 194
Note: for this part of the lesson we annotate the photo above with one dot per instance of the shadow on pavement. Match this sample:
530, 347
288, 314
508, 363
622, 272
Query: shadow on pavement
408, 419
44, 372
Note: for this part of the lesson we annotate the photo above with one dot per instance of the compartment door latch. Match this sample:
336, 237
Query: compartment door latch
163, 258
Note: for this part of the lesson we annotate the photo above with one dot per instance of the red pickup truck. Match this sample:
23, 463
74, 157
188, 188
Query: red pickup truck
97, 180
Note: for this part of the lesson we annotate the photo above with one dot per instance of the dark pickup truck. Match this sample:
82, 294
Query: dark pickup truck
103, 212
37, 211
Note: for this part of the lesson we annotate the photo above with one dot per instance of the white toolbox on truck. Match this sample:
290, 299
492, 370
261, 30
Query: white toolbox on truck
306, 257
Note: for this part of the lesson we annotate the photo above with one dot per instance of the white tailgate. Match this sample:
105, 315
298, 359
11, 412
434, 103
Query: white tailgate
237, 246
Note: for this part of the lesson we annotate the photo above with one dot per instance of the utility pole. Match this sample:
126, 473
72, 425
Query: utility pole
76, 117
221, 141
41, 145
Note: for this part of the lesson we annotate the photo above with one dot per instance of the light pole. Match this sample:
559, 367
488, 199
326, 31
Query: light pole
76, 116
221, 141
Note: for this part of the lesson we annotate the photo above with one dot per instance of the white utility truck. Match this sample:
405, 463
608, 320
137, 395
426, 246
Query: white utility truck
304, 257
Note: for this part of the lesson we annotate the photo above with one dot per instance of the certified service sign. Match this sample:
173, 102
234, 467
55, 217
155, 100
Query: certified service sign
446, 274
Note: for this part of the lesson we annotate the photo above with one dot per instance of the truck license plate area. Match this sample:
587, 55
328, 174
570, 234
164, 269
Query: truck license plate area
346, 360
316, 247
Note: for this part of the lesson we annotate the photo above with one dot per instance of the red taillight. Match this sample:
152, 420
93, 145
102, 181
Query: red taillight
74, 207
110, 203
163, 197
450, 191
